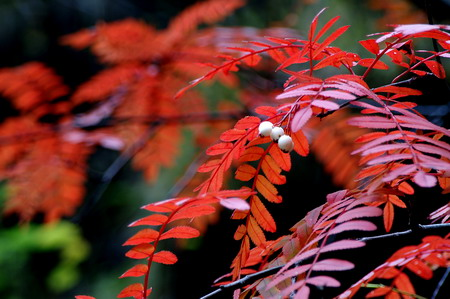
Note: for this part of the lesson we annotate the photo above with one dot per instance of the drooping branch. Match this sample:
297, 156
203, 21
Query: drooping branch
248, 279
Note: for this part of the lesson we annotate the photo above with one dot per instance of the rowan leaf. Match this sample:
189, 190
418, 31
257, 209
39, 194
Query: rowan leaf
255, 232
372, 122
140, 251
267, 189
235, 203
262, 215
232, 135
146, 235
152, 220
370, 45
135, 271
353, 225
323, 281
245, 172
281, 158
180, 232
165, 257
219, 148
342, 244
301, 118
252, 153
193, 212
424, 180
135, 290
272, 170
247, 123
332, 265
388, 216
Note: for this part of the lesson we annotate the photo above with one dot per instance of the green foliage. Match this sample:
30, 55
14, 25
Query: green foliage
21, 247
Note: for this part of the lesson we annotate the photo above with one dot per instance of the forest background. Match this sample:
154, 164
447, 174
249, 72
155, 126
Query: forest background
82, 254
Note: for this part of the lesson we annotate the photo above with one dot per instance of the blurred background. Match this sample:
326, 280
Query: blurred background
83, 254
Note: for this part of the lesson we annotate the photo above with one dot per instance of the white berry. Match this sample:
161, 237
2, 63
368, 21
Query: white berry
276, 133
265, 128
285, 143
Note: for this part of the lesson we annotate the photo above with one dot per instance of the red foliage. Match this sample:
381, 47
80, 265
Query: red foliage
143, 96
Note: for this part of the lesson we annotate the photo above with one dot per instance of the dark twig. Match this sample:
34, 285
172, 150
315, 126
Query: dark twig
265, 273
115, 167
406, 232
440, 283
187, 176
244, 281
431, 22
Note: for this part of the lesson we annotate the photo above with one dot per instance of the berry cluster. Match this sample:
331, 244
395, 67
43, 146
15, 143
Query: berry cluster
285, 143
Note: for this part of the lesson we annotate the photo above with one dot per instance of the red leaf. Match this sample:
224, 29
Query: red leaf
282, 159
432, 150
252, 153
245, 172
235, 203
436, 68
325, 27
272, 171
266, 111
367, 62
301, 145
353, 225
332, 265
381, 291
405, 91
371, 45
180, 232
255, 232
146, 235
388, 216
140, 251
325, 104
232, 135
336, 94
301, 118
210, 165
267, 189
154, 219
84, 297
342, 245
219, 149
323, 281
136, 271
247, 123
165, 257
403, 283
373, 122
424, 180
262, 215
338, 32
389, 158
383, 148
420, 269
240, 232
252, 60
193, 212
135, 290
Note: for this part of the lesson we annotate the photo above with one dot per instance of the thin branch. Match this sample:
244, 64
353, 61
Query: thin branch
114, 169
244, 281
187, 176
440, 283
429, 12
406, 232
265, 273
